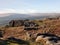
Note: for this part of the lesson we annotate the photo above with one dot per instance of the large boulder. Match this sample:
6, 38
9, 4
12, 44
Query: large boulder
16, 23
48, 39
1, 33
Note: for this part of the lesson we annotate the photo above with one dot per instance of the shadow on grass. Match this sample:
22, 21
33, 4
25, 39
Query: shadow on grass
13, 40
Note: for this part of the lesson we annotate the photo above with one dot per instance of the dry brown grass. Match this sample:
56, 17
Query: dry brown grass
46, 26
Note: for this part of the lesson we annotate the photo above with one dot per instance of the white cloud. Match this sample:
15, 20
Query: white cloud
27, 11
17, 11
7, 11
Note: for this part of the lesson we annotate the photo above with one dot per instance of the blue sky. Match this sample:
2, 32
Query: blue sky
29, 6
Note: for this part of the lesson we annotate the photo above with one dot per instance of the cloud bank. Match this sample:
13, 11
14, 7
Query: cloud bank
21, 11
4, 11
17, 11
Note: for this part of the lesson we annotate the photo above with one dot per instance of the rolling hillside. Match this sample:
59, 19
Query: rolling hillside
12, 16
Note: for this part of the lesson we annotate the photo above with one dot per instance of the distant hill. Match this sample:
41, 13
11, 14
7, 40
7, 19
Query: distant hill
6, 19
12, 16
44, 15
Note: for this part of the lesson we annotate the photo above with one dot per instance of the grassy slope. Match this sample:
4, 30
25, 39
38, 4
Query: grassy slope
46, 26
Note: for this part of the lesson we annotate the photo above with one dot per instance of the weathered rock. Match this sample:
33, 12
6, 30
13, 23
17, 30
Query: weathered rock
1, 33
16, 23
48, 39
